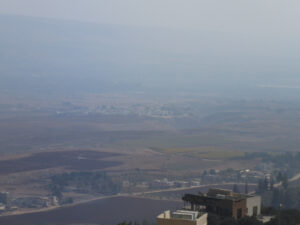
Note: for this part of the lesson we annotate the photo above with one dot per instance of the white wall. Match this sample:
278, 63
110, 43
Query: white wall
252, 202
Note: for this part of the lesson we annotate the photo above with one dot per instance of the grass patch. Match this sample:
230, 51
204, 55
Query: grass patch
221, 155
173, 141
207, 152
194, 149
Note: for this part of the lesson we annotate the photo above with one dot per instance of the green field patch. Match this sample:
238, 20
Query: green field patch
203, 149
207, 152
221, 155
172, 141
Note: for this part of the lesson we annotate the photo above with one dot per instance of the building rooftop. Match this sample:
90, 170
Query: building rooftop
184, 214
181, 214
226, 194
216, 194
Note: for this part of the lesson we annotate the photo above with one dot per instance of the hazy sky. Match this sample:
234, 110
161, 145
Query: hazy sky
223, 40
208, 14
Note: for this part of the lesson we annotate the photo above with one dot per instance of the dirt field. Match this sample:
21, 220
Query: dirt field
75, 160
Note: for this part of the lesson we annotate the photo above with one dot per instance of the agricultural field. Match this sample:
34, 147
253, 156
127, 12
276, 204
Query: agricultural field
206, 152
87, 138
72, 160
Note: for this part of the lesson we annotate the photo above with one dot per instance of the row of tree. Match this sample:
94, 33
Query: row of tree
89, 182
280, 217
284, 196
288, 161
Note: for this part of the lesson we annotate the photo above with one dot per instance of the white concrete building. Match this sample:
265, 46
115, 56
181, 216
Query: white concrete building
253, 206
182, 217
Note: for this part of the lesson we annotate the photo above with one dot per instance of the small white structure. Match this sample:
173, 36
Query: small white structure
2, 207
253, 206
182, 217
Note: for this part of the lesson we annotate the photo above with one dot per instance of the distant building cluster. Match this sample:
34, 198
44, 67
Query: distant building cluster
155, 110
7, 204
5, 201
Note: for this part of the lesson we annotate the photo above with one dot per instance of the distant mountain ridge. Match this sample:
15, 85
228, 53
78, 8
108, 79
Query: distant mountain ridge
55, 56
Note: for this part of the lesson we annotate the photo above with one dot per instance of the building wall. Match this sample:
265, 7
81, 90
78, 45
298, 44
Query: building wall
225, 207
202, 220
253, 202
222, 207
239, 205
4, 197
164, 219
213, 192
161, 221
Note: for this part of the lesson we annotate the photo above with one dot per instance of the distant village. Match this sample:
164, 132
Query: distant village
208, 177
150, 110
9, 203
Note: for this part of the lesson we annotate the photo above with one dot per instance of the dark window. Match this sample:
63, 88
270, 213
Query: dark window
255, 211
239, 213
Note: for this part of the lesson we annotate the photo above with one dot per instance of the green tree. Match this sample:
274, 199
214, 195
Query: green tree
236, 188
125, 223
229, 221
271, 183
213, 219
246, 187
260, 186
249, 221
276, 198
279, 177
285, 182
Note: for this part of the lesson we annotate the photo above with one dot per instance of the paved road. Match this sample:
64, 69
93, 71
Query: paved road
294, 178
188, 188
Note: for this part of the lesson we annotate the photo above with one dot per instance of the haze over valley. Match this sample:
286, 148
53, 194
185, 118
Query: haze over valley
99, 112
